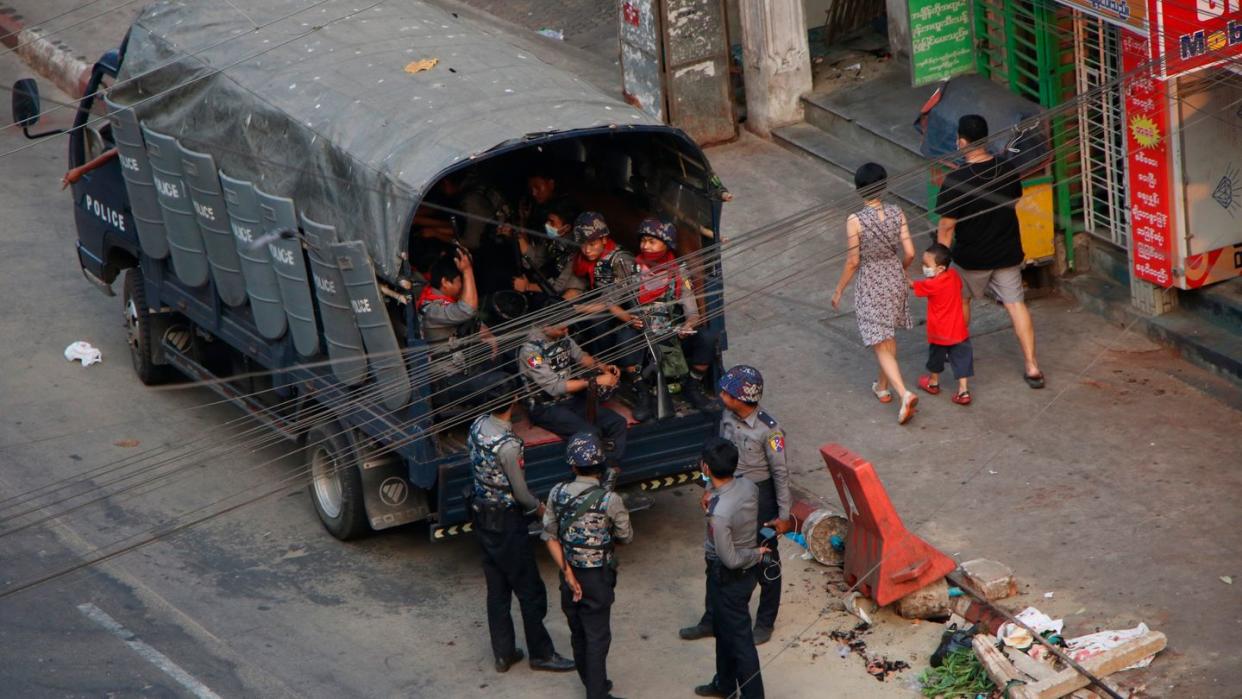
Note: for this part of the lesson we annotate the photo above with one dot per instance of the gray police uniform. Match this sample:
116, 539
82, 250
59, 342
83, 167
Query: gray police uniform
760, 443
546, 366
456, 381
587, 542
500, 497
732, 561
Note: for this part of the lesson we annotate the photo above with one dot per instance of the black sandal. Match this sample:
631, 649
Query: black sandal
1036, 381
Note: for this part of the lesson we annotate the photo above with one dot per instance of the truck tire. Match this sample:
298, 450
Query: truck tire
336, 485
138, 331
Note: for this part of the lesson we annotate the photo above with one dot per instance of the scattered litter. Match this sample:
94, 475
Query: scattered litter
295, 552
126, 443
851, 641
552, 33
1047, 595
1040, 622
421, 65
1092, 644
853, 66
1016, 637
83, 351
858, 608
1226, 579
991, 472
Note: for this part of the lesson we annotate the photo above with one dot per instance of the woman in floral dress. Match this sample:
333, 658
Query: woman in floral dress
880, 250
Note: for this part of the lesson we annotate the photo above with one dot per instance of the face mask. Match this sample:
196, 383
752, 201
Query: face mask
929, 272
551, 230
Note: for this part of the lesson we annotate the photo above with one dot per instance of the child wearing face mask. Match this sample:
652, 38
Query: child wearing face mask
947, 335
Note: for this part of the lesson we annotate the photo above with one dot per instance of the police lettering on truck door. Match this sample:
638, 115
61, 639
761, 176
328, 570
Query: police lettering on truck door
105, 213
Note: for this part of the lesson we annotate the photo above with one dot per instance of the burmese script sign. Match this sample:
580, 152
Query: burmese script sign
941, 39
1131, 14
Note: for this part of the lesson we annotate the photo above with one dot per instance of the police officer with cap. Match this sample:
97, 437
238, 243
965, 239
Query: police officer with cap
582, 524
733, 559
500, 507
760, 442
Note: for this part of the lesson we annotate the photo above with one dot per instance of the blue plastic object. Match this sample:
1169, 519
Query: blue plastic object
838, 544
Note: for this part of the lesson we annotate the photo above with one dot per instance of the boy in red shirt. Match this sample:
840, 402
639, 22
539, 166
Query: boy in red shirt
946, 327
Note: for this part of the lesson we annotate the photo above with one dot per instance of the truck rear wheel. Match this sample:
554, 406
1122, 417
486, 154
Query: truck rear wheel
138, 330
336, 485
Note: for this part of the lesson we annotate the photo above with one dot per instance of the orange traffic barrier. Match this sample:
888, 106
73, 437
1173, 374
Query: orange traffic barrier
888, 559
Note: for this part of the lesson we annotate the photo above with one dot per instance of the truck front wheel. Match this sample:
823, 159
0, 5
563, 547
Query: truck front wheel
336, 485
138, 331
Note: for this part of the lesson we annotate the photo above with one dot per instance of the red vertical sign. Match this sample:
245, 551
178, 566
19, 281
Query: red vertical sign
1147, 148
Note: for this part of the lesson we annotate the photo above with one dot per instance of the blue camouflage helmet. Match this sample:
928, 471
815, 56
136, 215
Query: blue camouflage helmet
584, 451
744, 383
660, 230
590, 226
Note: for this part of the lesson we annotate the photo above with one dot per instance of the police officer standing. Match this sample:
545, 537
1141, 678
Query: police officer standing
760, 442
733, 560
582, 524
500, 506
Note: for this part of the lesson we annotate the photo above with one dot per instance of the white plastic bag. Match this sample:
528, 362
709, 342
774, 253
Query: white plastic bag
84, 352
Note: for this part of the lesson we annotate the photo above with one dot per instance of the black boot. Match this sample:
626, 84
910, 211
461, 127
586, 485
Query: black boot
692, 389
640, 405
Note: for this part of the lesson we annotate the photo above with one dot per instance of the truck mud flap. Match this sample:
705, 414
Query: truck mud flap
349, 363
389, 498
185, 240
256, 266
384, 353
203, 183
279, 223
144, 204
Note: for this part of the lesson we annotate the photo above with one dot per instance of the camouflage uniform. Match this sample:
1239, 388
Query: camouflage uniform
587, 541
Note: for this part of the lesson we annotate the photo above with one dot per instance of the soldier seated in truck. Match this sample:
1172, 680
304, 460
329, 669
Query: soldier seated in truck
462, 371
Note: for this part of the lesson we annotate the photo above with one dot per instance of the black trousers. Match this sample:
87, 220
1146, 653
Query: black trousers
590, 625
737, 661
769, 576
567, 417
509, 569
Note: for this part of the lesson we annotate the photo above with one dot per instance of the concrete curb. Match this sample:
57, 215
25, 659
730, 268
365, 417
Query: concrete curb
48, 57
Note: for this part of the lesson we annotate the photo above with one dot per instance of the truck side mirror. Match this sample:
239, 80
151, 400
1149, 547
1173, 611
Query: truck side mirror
27, 109
26, 102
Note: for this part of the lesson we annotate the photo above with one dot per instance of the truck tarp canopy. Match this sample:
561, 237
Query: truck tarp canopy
331, 102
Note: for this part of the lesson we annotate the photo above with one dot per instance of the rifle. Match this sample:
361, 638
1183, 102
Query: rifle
664, 400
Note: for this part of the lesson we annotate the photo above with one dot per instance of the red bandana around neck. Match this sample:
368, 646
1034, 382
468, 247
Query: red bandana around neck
657, 271
429, 294
586, 268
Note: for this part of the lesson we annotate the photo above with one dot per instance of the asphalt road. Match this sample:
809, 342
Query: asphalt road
1115, 489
